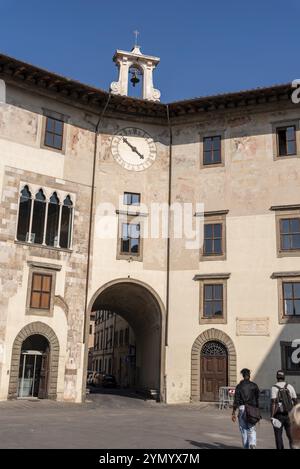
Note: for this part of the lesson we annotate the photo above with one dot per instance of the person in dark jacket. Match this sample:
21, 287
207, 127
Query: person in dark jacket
246, 392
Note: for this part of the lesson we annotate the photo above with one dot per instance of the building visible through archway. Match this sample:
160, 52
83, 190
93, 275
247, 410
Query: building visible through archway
142, 309
114, 348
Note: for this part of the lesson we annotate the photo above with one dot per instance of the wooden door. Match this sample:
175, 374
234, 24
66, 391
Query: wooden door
213, 372
44, 373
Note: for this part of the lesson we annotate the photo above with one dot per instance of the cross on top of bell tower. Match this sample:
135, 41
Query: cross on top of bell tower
139, 64
136, 33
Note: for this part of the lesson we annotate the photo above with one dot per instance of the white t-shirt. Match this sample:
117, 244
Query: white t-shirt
281, 384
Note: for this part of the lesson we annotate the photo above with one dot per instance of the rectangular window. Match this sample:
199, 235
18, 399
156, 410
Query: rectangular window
213, 239
40, 291
132, 198
121, 338
212, 153
130, 238
290, 234
288, 363
106, 338
286, 141
213, 301
214, 236
126, 336
54, 133
130, 242
110, 336
291, 298
116, 339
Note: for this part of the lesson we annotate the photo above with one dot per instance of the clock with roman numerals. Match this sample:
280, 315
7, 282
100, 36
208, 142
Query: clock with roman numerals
134, 149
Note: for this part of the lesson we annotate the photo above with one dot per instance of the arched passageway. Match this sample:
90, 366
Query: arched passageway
142, 308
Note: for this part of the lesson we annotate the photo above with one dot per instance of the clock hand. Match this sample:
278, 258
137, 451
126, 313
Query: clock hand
136, 151
133, 148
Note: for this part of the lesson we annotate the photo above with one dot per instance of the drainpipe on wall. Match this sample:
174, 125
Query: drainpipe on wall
169, 225
97, 128
84, 332
168, 245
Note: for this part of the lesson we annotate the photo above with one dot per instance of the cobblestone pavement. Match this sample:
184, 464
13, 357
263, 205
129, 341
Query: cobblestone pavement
120, 421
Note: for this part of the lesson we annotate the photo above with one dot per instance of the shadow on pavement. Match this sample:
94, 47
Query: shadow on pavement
131, 393
211, 445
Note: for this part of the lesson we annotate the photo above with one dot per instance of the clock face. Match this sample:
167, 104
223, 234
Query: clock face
134, 149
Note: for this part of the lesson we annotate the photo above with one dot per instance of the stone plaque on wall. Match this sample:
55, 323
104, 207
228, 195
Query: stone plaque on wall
253, 326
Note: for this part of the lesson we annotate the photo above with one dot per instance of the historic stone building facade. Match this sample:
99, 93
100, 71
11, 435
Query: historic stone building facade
81, 171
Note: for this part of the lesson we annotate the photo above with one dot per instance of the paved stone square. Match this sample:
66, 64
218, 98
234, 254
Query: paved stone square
109, 421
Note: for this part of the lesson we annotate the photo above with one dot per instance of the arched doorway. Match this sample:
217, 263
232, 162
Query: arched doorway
213, 364
34, 363
142, 308
213, 370
34, 367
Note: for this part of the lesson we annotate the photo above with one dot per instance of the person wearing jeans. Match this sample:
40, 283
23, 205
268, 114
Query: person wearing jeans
246, 392
248, 431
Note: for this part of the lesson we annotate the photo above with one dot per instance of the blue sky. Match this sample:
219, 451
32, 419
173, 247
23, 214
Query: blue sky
206, 47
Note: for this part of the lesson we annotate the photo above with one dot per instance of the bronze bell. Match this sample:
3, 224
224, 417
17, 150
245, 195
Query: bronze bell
135, 79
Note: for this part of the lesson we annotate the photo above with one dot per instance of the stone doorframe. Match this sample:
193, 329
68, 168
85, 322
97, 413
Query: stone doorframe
33, 329
207, 336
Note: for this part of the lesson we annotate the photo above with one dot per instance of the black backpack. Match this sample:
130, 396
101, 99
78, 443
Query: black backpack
285, 399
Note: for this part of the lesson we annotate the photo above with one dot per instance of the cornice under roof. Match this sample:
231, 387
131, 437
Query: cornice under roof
72, 90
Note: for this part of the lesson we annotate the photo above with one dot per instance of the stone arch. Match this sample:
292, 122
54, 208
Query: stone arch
207, 336
125, 280
32, 329
141, 306
59, 301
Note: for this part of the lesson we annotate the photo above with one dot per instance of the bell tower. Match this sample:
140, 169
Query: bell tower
137, 64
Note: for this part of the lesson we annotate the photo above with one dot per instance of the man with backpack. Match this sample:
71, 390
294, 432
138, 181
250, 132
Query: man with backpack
246, 400
283, 399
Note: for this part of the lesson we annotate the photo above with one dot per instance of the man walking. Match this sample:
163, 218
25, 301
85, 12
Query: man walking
283, 399
246, 400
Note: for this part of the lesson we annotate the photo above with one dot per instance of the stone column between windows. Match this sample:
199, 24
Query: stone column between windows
59, 225
45, 224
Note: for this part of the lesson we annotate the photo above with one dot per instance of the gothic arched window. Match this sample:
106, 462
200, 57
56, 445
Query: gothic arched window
53, 221
38, 218
24, 215
66, 223
45, 221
